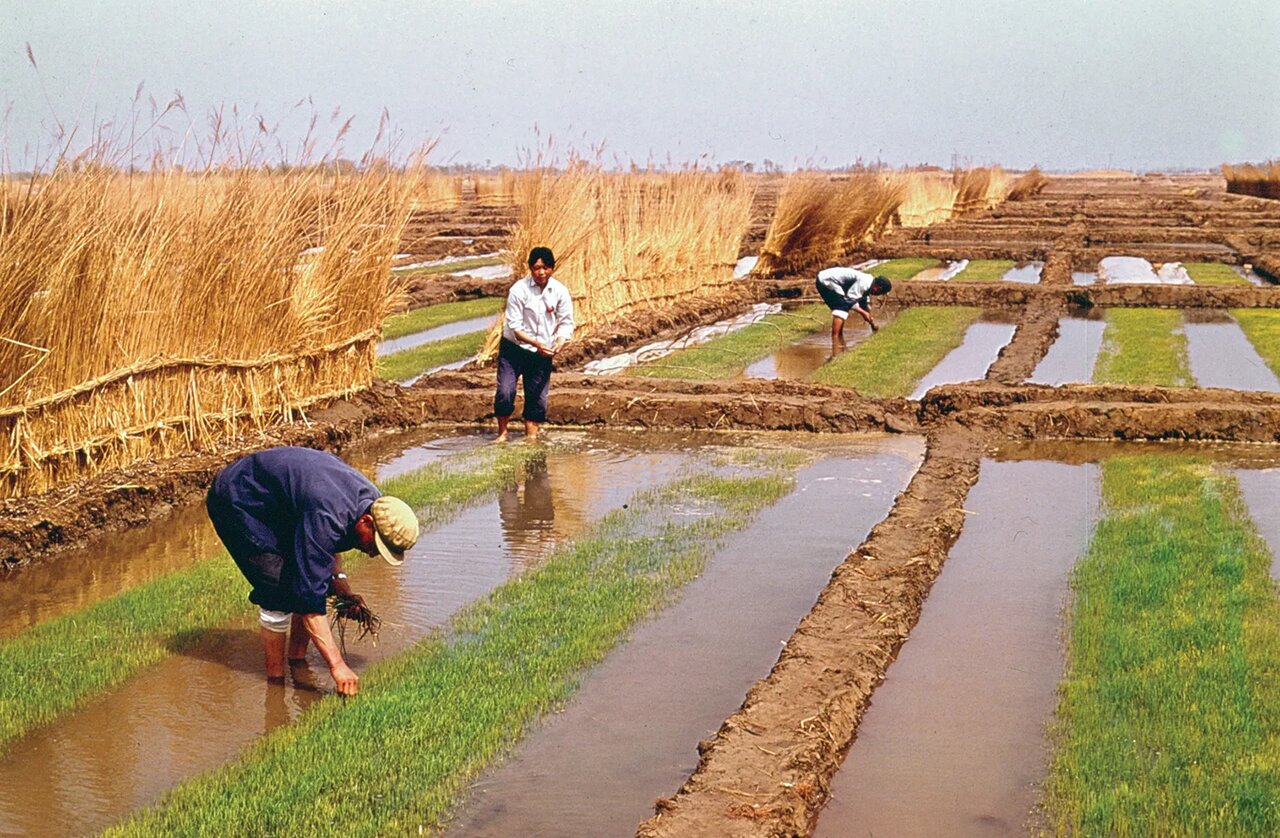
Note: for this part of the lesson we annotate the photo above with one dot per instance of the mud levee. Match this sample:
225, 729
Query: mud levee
758, 404
1037, 330
38, 525
431, 290
766, 772
1016, 295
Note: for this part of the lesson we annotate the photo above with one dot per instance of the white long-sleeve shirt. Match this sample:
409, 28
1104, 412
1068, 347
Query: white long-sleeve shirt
542, 313
851, 283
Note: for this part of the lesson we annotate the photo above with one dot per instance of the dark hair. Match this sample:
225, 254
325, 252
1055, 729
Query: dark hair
881, 285
544, 253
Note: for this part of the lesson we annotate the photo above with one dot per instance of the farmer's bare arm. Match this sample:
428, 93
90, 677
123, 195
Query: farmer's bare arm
317, 626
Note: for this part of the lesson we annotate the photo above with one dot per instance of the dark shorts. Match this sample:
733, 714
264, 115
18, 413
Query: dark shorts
265, 572
833, 298
513, 363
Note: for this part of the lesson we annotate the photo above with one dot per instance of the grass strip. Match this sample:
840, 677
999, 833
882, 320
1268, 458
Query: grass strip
1143, 346
403, 365
893, 360
903, 268
729, 354
451, 267
394, 759
429, 317
984, 270
56, 665
1262, 327
1169, 717
1213, 273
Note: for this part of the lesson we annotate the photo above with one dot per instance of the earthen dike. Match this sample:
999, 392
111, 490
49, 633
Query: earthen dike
766, 771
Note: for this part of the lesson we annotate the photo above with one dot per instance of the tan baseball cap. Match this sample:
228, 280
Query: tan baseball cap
395, 528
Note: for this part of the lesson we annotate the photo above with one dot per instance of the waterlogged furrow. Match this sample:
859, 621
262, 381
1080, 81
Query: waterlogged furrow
403, 365
1169, 719
1262, 328
730, 354
891, 361
52, 667
430, 317
1143, 346
392, 760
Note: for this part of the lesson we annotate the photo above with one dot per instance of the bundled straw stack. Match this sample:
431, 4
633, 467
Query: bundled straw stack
820, 219
979, 189
146, 314
1028, 184
1260, 181
630, 242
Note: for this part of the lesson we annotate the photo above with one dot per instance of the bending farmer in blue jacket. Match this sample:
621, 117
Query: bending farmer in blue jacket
849, 289
284, 515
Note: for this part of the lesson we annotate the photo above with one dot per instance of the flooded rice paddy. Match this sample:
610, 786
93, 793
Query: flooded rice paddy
448, 330
971, 359
630, 732
1074, 354
1221, 355
954, 741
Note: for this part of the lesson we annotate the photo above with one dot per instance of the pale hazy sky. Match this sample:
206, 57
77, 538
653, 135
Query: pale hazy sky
1074, 84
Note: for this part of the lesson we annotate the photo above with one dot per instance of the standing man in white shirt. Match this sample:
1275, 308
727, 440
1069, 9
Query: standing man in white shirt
539, 322
849, 289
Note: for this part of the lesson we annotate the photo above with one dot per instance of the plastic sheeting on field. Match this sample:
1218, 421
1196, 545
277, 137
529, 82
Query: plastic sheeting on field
1130, 270
653, 351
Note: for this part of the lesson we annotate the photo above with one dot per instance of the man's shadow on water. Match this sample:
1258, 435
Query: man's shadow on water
240, 650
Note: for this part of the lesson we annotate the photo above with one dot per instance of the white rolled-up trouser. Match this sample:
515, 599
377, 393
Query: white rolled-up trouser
277, 621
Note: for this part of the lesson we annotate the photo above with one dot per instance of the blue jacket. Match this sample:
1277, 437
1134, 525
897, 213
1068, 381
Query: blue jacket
296, 503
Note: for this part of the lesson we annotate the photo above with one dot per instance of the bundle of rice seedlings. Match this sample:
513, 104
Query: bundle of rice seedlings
147, 313
352, 612
630, 241
1028, 184
1260, 181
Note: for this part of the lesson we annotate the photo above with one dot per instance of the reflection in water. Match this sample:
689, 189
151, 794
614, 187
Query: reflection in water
528, 515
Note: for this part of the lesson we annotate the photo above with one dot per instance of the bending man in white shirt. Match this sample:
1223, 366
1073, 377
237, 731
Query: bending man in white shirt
538, 323
849, 289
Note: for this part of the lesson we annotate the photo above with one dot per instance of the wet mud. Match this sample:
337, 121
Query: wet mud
629, 732
955, 741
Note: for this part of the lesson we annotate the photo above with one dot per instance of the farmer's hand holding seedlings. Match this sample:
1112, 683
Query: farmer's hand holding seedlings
284, 515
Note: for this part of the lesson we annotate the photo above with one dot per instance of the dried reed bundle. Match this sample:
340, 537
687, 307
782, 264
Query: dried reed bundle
819, 219
980, 188
626, 242
1028, 184
143, 314
1260, 181
929, 198
500, 188
437, 189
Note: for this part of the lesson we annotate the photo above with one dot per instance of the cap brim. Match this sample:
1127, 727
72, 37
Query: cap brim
395, 558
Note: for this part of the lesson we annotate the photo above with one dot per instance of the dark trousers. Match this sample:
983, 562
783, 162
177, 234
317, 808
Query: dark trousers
514, 362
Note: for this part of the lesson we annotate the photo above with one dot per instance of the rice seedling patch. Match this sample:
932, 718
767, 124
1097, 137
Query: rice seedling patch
984, 270
896, 269
1214, 273
1262, 328
1143, 346
429, 317
891, 361
403, 365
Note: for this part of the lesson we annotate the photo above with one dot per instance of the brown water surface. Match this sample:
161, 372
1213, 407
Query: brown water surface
629, 735
201, 706
954, 742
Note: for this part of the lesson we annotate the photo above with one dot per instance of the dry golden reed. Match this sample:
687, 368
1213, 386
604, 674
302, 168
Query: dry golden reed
142, 314
1029, 183
626, 242
1260, 181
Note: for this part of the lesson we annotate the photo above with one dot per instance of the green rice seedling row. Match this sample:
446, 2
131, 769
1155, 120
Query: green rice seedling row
55, 665
728, 355
403, 365
429, 317
393, 760
894, 359
1262, 327
984, 270
1143, 346
1169, 717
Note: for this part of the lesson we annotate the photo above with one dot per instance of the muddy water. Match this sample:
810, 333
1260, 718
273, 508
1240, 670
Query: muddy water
1261, 490
1221, 355
803, 358
200, 707
1073, 355
970, 360
629, 734
448, 330
954, 740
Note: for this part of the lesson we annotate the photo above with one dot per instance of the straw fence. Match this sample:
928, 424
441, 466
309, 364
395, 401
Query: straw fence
1260, 181
630, 242
146, 314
